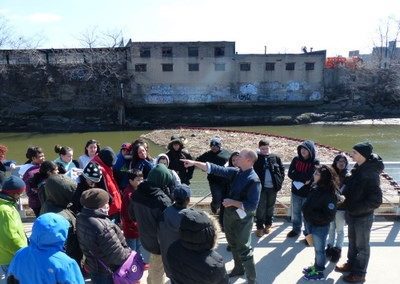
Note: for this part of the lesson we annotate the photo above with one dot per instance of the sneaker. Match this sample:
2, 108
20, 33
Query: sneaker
292, 234
314, 275
260, 233
354, 278
267, 229
307, 270
343, 268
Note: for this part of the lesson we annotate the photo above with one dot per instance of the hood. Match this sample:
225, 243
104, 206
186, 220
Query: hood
162, 156
107, 155
50, 230
60, 190
309, 146
159, 176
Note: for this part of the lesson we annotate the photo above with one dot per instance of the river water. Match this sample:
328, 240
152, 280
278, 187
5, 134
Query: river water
384, 138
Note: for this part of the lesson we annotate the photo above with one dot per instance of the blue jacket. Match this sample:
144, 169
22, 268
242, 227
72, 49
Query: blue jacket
44, 260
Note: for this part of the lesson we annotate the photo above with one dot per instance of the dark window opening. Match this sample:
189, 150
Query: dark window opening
290, 66
219, 66
166, 52
244, 66
269, 66
193, 51
145, 52
140, 67
309, 66
219, 51
167, 67
193, 67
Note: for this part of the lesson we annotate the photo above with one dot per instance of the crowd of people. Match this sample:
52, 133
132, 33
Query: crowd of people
94, 213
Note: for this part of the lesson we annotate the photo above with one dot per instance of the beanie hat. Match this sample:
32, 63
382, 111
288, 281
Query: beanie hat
364, 148
216, 141
159, 176
107, 155
94, 198
13, 184
92, 172
162, 156
197, 229
181, 193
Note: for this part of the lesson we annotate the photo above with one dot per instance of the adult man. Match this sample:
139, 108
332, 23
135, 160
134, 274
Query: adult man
363, 194
12, 236
271, 172
240, 207
218, 185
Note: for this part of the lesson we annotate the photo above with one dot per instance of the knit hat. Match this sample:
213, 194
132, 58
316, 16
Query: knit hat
107, 155
181, 193
92, 172
162, 156
364, 148
216, 141
13, 184
159, 176
94, 198
197, 229
126, 146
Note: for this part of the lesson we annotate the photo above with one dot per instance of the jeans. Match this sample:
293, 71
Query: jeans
297, 215
319, 234
265, 209
101, 278
337, 228
359, 230
136, 245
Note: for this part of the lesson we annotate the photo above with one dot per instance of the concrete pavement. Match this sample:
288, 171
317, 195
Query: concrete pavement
281, 260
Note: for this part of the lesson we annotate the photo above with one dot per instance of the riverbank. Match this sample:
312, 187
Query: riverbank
197, 142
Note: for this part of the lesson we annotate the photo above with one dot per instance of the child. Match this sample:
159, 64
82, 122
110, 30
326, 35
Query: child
319, 210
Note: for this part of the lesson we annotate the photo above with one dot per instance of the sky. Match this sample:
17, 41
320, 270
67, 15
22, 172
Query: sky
282, 26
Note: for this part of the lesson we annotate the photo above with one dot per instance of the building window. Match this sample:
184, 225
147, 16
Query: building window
140, 67
309, 66
167, 67
245, 66
219, 51
144, 52
270, 66
193, 51
166, 52
193, 67
290, 66
219, 66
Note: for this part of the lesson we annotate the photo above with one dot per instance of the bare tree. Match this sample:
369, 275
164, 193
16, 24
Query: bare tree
5, 32
384, 50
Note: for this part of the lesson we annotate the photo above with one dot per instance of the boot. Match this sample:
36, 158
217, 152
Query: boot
336, 254
250, 268
238, 269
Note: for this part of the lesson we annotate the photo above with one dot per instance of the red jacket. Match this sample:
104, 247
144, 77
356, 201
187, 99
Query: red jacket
128, 225
111, 186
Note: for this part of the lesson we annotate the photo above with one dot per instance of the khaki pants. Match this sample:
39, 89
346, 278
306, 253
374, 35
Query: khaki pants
156, 270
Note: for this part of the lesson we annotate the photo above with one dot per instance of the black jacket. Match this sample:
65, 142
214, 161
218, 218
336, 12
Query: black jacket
185, 174
275, 167
320, 206
146, 207
220, 158
100, 239
302, 170
362, 189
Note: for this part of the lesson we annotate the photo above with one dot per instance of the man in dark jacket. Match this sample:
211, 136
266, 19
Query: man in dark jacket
219, 186
301, 172
192, 258
146, 207
170, 221
271, 172
102, 242
363, 195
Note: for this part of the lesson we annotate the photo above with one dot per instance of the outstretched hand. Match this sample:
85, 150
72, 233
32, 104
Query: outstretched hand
187, 163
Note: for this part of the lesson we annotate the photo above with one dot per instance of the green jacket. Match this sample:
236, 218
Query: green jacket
12, 236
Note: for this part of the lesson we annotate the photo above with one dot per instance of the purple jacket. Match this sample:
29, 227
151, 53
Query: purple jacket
32, 189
